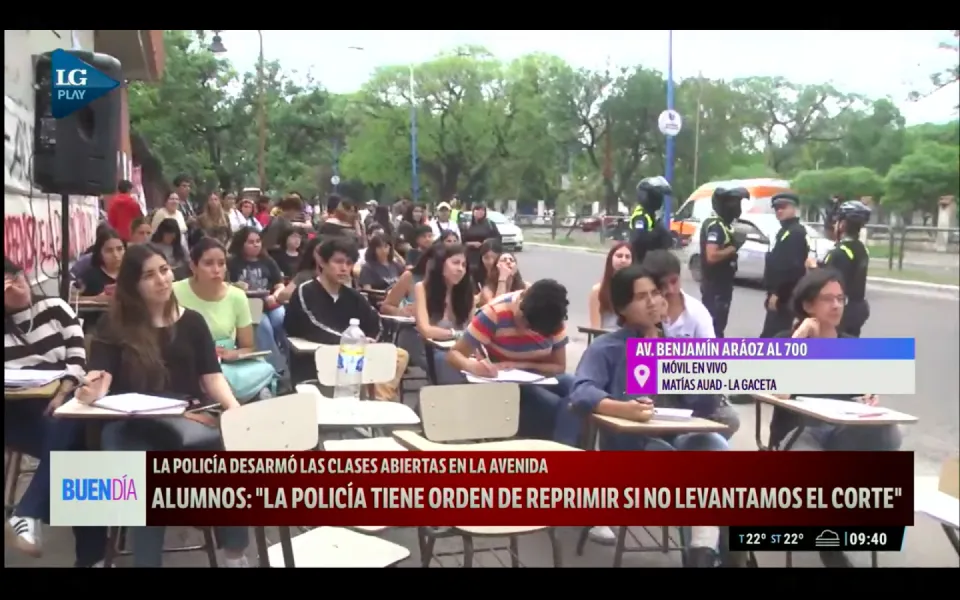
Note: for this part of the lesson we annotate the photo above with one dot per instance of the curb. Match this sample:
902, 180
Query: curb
881, 280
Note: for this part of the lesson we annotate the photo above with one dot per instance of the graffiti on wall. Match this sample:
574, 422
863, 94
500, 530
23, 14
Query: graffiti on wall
31, 222
17, 145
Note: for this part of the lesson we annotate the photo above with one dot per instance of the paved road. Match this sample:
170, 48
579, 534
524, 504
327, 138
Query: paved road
932, 319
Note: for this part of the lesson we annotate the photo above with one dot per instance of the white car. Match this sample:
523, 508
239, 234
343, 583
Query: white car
760, 229
511, 234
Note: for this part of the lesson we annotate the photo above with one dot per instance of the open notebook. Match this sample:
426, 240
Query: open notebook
132, 404
513, 376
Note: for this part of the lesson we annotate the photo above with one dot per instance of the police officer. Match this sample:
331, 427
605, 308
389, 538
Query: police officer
646, 232
785, 264
851, 259
719, 244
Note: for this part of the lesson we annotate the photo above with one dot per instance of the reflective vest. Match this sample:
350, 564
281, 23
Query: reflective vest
640, 213
455, 216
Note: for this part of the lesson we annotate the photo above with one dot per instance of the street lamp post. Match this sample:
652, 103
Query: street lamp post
670, 139
415, 177
217, 47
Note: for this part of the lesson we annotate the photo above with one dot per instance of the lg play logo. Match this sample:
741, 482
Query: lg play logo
75, 84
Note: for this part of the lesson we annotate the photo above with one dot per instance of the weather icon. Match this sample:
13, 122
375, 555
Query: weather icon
828, 539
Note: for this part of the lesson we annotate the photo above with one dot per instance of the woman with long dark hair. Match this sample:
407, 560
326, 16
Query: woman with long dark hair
414, 216
444, 304
106, 255
502, 279
148, 344
476, 233
169, 239
379, 271
400, 298
489, 252
602, 315
42, 334
308, 269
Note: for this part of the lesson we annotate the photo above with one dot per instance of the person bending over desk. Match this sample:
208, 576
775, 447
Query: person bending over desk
42, 334
599, 388
148, 344
325, 305
522, 330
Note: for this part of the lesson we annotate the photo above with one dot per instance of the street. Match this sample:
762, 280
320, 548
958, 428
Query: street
931, 318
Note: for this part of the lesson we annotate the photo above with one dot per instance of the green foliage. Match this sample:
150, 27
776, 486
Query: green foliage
495, 130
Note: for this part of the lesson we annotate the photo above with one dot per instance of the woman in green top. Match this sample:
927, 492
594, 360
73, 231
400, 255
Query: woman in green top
226, 310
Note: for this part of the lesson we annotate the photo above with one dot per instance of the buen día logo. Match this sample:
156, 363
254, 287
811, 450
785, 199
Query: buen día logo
75, 84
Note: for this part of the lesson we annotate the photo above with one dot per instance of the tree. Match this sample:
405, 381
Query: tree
944, 77
921, 178
817, 187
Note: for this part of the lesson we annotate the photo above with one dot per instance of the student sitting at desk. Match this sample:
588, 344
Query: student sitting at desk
226, 310
148, 344
685, 317
443, 302
321, 309
522, 330
254, 271
100, 279
600, 388
42, 334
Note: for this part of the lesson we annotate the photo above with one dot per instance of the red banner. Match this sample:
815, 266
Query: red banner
555, 488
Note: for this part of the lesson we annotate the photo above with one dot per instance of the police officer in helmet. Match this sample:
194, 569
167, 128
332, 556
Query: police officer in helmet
786, 263
851, 259
646, 232
719, 244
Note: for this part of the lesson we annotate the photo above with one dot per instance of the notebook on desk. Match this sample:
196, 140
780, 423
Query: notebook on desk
17, 379
132, 404
513, 376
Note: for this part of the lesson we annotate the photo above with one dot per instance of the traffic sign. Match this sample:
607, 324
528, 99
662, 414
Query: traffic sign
335, 180
670, 123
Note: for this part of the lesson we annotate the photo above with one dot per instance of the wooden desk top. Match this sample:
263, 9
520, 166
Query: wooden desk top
657, 426
443, 344
592, 331
830, 411
47, 391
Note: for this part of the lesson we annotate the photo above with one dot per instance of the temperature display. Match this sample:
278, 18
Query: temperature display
800, 539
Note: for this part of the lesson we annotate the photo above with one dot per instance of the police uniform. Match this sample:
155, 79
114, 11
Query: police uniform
784, 267
646, 232
716, 285
851, 259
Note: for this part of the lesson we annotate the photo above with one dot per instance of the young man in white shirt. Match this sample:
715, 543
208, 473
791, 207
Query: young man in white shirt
685, 317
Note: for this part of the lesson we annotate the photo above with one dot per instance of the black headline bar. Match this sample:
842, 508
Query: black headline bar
810, 539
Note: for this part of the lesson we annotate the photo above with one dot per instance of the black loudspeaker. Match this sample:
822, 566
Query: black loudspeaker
77, 154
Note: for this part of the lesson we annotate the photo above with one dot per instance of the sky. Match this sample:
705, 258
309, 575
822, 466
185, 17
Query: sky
873, 63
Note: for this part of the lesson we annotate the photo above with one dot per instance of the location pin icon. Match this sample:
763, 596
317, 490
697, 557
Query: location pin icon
641, 373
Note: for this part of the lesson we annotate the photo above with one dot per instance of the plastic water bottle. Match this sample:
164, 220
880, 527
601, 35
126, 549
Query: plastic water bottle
353, 345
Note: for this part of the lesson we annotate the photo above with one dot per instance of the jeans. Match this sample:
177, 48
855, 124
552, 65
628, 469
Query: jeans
28, 430
540, 405
148, 541
837, 438
272, 337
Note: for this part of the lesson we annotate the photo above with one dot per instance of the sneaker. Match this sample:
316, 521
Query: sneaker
602, 535
236, 563
24, 533
702, 558
835, 560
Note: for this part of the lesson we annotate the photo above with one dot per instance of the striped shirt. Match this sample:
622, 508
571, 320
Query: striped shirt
50, 339
494, 328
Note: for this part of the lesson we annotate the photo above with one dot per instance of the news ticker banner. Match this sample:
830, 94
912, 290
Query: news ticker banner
405, 489
774, 366
816, 539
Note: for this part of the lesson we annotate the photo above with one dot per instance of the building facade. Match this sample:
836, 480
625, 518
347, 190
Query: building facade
32, 221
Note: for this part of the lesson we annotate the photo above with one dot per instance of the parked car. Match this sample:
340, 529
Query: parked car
761, 230
511, 234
